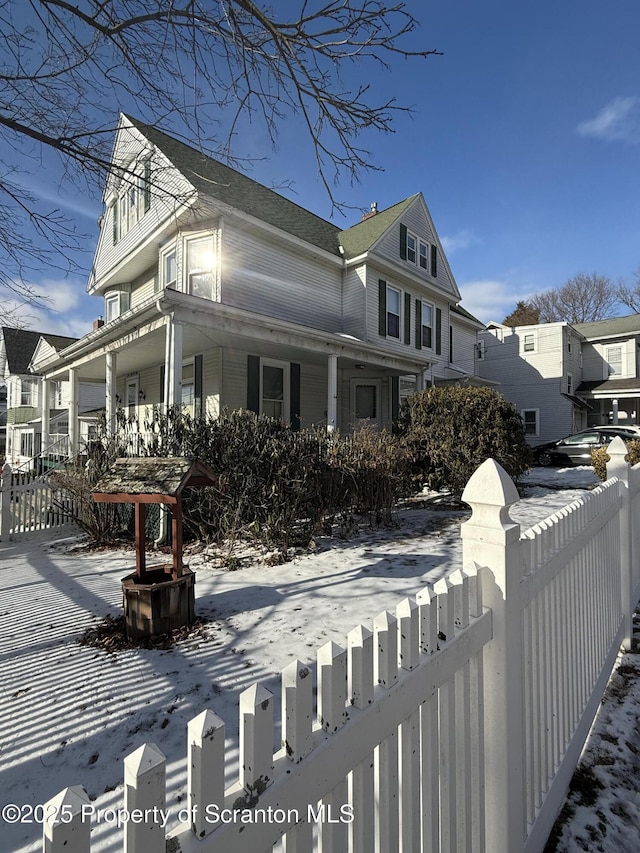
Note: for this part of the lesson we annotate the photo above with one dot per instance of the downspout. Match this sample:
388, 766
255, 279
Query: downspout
164, 520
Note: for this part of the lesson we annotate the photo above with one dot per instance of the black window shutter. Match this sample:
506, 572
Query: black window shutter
418, 324
162, 383
407, 318
438, 331
451, 344
434, 260
395, 402
147, 185
253, 384
382, 308
294, 397
197, 384
114, 209
403, 242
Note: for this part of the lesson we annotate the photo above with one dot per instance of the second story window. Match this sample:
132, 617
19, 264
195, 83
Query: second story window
169, 269
111, 307
200, 267
614, 361
529, 342
393, 312
27, 392
427, 325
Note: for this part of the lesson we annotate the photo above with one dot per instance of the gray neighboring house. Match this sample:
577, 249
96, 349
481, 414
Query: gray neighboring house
564, 378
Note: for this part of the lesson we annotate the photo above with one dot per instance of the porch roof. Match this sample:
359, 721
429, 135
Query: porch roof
629, 387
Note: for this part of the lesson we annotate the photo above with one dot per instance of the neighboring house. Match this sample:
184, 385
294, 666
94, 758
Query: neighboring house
37, 406
564, 378
219, 292
3, 420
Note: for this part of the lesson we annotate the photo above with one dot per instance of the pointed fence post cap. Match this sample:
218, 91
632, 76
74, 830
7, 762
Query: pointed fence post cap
490, 492
490, 484
144, 759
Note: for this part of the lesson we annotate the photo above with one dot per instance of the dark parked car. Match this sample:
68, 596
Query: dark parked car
576, 449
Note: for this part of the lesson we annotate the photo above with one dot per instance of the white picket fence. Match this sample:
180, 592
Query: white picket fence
455, 724
30, 502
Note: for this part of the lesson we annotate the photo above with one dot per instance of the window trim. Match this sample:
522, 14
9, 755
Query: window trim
285, 366
412, 249
422, 244
31, 385
608, 361
391, 334
165, 254
364, 381
428, 326
189, 240
112, 299
534, 347
536, 413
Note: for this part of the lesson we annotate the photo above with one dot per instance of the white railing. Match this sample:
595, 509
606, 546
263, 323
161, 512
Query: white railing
454, 723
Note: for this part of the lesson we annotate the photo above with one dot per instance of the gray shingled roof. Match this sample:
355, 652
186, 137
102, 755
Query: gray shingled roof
607, 328
20, 345
231, 187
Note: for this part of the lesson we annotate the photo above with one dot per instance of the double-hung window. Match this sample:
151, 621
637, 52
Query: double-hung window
529, 342
274, 384
531, 421
412, 247
393, 312
111, 307
614, 361
423, 257
200, 267
169, 269
27, 393
427, 325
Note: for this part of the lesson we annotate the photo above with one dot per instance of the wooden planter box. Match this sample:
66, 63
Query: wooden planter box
160, 603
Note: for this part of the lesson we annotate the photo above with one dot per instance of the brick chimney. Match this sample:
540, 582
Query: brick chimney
97, 324
372, 212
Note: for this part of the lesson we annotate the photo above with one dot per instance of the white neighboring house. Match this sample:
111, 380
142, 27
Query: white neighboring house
218, 292
37, 406
564, 378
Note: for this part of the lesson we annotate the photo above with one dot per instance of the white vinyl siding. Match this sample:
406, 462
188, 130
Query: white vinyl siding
267, 277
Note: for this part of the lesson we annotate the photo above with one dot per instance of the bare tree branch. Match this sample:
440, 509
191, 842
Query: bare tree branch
201, 67
582, 299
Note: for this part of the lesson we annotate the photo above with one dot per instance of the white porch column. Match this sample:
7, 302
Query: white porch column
73, 411
420, 380
174, 368
110, 391
614, 408
45, 408
332, 393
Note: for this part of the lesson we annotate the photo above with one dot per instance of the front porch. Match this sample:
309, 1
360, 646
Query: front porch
166, 353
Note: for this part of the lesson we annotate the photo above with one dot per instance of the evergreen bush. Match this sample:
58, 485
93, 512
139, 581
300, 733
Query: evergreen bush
451, 430
600, 457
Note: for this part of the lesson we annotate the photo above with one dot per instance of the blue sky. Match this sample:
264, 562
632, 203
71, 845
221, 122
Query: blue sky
524, 140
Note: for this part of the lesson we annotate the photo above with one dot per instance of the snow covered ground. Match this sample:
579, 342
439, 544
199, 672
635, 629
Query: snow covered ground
70, 713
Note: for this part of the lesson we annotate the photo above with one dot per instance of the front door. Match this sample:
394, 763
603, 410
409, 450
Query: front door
365, 401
